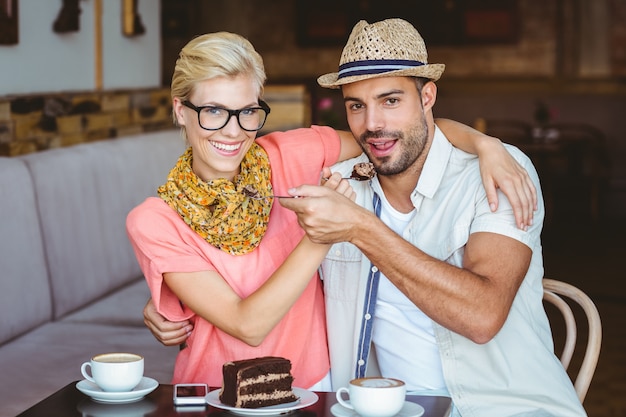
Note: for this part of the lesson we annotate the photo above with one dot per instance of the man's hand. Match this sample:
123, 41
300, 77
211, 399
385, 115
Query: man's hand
169, 333
327, 213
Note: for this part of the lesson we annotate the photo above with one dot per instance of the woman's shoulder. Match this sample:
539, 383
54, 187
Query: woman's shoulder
151, 206
301, 138
153, 214
299, 133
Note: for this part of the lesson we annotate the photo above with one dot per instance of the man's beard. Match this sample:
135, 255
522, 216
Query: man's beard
411, 142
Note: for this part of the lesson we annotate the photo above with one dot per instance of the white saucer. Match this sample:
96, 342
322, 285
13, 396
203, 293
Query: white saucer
143, 407
145, 387
305, 399
409, 409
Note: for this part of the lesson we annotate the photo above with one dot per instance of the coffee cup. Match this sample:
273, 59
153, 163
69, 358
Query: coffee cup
114, 372
374, 396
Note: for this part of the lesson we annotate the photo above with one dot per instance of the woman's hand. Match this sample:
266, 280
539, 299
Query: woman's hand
169, 333
499, 169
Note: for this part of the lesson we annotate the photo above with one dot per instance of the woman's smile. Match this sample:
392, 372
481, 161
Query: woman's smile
226, 149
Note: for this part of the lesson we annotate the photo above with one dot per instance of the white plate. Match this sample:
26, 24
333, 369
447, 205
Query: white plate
409, 409
145, 387
306, 398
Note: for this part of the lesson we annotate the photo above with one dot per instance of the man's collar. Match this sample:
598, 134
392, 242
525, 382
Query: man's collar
435, 165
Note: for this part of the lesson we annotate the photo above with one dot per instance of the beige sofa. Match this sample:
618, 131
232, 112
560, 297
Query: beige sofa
70, 284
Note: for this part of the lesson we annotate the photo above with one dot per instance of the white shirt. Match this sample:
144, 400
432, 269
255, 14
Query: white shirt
514, 373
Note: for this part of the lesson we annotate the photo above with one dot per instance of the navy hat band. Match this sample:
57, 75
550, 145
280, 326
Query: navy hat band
375, 66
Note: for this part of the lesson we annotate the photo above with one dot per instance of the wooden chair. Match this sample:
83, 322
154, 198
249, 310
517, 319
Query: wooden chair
554, 292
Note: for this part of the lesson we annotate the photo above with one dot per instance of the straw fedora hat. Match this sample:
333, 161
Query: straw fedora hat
389, 48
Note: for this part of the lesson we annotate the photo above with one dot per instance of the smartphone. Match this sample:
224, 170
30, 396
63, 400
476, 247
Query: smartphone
190, 394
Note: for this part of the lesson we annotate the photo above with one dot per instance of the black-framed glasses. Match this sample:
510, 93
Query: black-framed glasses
250, 119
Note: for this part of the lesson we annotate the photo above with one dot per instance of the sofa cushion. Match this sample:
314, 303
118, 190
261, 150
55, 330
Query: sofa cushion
84, 193
122, 308
25, 295
49, 357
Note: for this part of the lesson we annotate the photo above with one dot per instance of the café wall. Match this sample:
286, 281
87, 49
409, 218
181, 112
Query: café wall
45, 61
53, 95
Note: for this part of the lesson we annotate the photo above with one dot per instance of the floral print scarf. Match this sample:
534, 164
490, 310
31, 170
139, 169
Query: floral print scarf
219, 210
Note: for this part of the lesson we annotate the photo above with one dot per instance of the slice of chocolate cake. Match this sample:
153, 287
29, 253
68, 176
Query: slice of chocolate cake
258, 382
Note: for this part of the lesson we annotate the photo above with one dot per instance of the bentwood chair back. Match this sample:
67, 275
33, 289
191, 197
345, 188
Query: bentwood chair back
556, 292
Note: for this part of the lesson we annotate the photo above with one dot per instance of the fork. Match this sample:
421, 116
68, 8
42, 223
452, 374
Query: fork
250, 192
355, 178
263, 197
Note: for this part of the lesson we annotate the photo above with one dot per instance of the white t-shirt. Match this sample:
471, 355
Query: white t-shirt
416, 359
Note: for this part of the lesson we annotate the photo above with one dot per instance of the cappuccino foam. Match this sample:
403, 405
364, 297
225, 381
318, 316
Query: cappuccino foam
116, 358
377, 382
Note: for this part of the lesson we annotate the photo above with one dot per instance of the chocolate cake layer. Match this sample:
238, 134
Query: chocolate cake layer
258, 382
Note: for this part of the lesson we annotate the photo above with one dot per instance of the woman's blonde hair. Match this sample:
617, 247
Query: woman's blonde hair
215, 55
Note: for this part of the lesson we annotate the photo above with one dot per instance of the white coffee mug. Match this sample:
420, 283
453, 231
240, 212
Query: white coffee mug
114, 372
374, 396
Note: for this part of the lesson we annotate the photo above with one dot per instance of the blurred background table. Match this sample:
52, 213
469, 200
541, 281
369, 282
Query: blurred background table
571, 160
